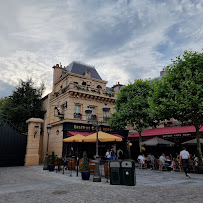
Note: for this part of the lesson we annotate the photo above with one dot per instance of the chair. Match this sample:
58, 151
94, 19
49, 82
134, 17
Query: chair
162, 167
141, 164
191, 165
179, 166
155, 164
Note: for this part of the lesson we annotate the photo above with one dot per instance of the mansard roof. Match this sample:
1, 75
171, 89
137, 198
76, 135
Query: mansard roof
81, 69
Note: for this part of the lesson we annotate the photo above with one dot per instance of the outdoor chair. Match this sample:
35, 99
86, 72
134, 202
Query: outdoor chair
179, 167
141, 165
162, 167
191, 165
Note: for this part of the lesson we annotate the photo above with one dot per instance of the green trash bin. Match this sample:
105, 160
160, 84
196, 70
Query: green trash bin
128, 176
115, 172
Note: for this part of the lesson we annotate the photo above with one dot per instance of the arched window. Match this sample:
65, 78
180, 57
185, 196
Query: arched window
83, 83
99, 87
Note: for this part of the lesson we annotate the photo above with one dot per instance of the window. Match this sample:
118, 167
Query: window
77, 108
99, 87
87, 73
83, 83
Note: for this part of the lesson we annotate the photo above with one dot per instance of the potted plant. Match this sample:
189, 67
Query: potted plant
51, 162
85, 170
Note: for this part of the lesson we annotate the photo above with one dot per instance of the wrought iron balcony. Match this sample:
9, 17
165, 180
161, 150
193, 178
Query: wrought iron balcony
78, 116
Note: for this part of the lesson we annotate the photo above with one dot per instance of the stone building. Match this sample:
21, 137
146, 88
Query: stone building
75, 88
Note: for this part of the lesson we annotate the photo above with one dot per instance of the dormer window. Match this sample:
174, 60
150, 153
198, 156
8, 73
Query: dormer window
99, 87
84, 83
87, 73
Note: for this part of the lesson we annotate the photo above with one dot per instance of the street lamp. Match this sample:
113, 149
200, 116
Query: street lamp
94, 121
45, 167
36, 129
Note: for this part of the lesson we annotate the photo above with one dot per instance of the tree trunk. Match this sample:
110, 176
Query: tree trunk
199, 151
140, 140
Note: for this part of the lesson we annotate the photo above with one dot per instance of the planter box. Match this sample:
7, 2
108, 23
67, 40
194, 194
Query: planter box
85, 175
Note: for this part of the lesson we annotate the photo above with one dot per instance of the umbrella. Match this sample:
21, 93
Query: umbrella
193, 142
157, 141
102, 137
75, 138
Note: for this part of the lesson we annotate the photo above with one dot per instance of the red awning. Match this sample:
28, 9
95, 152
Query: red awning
166, 131
117, 135
71, 133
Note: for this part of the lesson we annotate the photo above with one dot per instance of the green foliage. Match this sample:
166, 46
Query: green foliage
3, 101
85, 163
179, 94
52, 158
132, 107
24, 103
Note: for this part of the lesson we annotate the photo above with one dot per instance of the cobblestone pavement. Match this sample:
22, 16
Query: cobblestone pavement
32, 184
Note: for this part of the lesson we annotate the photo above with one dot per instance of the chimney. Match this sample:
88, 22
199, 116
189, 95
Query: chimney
163, 72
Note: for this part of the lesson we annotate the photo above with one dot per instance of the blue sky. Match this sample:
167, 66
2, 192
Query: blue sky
125, 40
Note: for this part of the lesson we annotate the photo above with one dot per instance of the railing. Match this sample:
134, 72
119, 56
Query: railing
78, 116
83, 88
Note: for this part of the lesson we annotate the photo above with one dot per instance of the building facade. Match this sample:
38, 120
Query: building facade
75, 88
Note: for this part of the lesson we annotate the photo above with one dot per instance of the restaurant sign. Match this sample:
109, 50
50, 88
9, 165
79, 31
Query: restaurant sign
177, 135
84, 127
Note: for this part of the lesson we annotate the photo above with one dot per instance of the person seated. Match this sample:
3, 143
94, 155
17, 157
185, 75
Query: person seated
162, 158
141, 160
178, 161
150, 161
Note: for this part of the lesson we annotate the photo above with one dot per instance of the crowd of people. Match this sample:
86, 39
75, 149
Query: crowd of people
111, 155
183, 161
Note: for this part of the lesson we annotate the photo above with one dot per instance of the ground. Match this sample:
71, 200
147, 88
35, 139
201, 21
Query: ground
33, 184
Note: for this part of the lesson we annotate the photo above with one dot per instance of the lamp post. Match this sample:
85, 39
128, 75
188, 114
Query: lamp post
36, 130
45, 167
96, 123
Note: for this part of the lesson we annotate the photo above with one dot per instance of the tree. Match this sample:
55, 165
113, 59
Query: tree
24, 103
179, 94
3, 100
132, 107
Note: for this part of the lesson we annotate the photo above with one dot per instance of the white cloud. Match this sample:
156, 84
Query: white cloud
125, 40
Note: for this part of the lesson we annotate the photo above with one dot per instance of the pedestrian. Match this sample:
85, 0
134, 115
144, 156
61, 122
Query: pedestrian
184, 156
112, 153
119, 153
107, 155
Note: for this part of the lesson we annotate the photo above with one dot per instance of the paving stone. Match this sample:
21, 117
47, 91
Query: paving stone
33, 184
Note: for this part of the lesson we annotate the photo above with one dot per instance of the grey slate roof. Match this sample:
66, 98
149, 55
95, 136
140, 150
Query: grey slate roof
79, 68
109, 89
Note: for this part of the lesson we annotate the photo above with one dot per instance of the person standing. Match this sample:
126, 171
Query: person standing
119, 153
184, 156
112, 153
107, 155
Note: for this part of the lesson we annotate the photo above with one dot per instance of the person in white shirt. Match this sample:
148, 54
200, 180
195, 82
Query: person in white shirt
141, 158
184, 155
107, 155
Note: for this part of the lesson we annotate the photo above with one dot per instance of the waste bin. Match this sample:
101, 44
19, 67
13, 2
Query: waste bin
115, 172
128, 176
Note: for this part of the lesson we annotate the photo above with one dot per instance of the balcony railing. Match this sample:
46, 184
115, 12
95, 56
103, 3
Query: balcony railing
83, 88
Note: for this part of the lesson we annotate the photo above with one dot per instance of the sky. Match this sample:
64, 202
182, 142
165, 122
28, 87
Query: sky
124, 39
